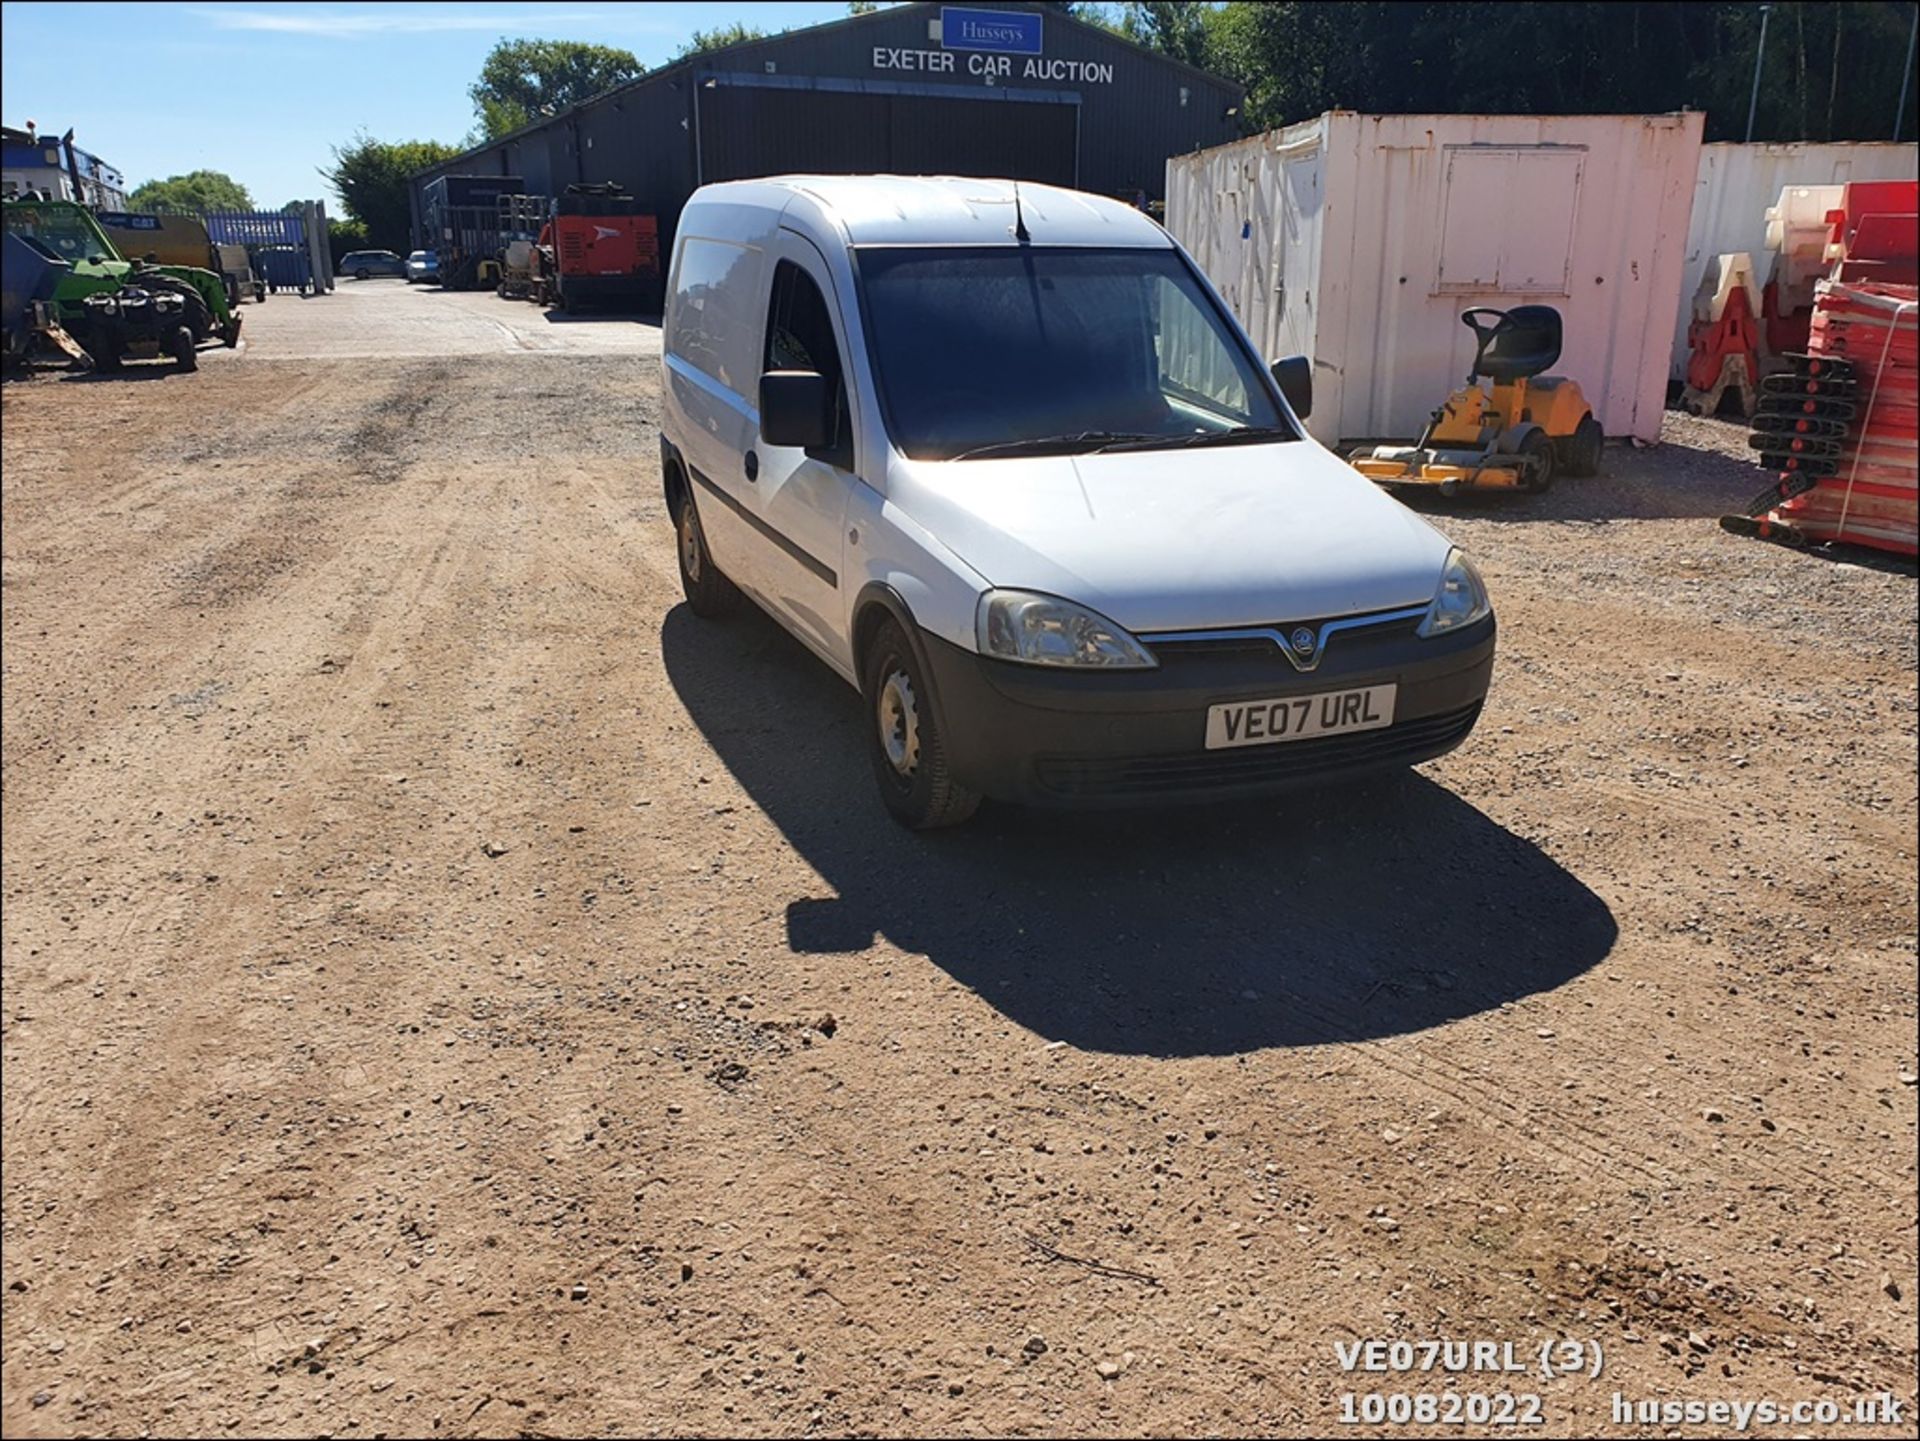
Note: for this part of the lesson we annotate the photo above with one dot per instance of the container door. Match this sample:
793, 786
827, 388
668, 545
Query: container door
1298, 248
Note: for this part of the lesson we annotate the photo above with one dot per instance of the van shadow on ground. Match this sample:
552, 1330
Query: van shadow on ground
1332, 915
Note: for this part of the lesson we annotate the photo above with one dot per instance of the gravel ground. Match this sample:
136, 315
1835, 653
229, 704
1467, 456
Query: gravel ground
451, 990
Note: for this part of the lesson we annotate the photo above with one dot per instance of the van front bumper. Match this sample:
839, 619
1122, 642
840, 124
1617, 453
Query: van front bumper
1044, 736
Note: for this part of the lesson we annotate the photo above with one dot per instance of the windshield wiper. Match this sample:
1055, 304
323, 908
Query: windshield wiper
1242, 435
1090, 439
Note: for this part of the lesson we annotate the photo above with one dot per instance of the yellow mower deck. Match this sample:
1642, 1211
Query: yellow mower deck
1449, 473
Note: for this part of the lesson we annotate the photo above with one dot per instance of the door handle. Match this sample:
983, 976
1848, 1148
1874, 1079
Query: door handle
753, 466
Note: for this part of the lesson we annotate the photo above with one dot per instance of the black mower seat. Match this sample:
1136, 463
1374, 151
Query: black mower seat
1518, 343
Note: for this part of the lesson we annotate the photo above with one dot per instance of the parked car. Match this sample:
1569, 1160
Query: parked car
1003, 460
422, 266
365, 264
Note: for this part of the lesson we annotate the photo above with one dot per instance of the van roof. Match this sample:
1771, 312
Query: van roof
954, 210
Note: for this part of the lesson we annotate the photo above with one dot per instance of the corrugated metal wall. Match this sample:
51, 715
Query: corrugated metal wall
1738, 183
752, 130
1135, 109
1358, 239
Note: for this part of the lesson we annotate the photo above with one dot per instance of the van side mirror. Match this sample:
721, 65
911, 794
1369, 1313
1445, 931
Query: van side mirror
796, 408
1295, 376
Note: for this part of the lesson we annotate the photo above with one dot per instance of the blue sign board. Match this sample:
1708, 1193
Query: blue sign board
1012, 32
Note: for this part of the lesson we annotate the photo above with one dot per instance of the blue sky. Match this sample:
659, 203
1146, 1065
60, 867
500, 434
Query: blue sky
263, 91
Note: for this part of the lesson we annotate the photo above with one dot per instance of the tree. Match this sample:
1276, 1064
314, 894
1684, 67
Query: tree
1830, 72
348, 235
527, 80
719, 38
1180, 30
199, 192
372, 177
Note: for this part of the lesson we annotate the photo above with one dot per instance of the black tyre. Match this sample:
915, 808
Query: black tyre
180, 346
1580, 452
362, 273
199, 316
1537, 448
710, 594
903, 738
106, 353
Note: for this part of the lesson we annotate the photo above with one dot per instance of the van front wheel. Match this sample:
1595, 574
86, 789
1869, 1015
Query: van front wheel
908, 752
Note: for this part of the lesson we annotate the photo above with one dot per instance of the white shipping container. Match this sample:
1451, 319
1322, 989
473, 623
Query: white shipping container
1739, 182
1357, 240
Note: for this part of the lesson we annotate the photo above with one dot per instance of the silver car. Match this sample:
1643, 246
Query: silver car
422, 266
365, 264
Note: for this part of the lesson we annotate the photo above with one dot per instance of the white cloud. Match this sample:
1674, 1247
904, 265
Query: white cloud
353, 25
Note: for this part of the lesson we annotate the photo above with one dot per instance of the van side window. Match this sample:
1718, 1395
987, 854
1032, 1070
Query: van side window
800, 337
1195, 365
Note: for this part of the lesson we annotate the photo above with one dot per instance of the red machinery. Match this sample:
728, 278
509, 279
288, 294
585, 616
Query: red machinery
597, 249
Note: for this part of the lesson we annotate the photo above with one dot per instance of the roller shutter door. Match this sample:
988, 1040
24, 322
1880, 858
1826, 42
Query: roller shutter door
746, 131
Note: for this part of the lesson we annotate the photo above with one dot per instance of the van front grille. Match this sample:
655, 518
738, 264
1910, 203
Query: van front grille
1080, 777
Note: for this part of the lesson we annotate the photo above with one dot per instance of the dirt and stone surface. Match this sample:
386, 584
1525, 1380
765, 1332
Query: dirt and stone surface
450, 990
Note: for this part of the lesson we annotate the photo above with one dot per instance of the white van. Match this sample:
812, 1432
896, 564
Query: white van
1001, 458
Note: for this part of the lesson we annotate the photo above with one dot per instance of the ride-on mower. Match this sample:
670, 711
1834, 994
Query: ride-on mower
1531, 427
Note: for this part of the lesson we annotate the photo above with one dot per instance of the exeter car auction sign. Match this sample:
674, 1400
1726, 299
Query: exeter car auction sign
996, 45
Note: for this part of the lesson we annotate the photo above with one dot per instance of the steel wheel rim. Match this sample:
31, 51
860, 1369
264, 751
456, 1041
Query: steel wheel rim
689, 544
898, 715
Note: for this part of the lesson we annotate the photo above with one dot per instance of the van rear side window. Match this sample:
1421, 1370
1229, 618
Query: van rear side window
710, 314
800, 337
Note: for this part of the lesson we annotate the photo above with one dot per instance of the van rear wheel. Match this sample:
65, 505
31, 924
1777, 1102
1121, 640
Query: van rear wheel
710, 595
904, 742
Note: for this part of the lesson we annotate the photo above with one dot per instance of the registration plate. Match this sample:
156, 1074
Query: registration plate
1294, 718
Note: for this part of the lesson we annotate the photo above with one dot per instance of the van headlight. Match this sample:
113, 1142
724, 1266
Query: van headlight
1461, 598
1035, 629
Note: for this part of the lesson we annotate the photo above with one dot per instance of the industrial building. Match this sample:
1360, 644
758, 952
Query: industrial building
919, 89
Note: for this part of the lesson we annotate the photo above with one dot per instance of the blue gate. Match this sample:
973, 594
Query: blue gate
288, 248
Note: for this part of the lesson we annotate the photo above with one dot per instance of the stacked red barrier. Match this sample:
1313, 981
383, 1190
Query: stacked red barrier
1870, 491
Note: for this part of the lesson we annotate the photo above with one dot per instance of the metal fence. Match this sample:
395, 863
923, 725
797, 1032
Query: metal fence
289, 248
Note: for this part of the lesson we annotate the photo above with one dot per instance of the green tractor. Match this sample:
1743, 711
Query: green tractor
70, 232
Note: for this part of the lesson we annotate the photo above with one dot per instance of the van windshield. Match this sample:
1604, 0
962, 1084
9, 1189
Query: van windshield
1000, 351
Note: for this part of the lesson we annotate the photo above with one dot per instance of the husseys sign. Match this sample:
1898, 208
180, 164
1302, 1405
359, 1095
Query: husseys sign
1000, 30
991, 46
